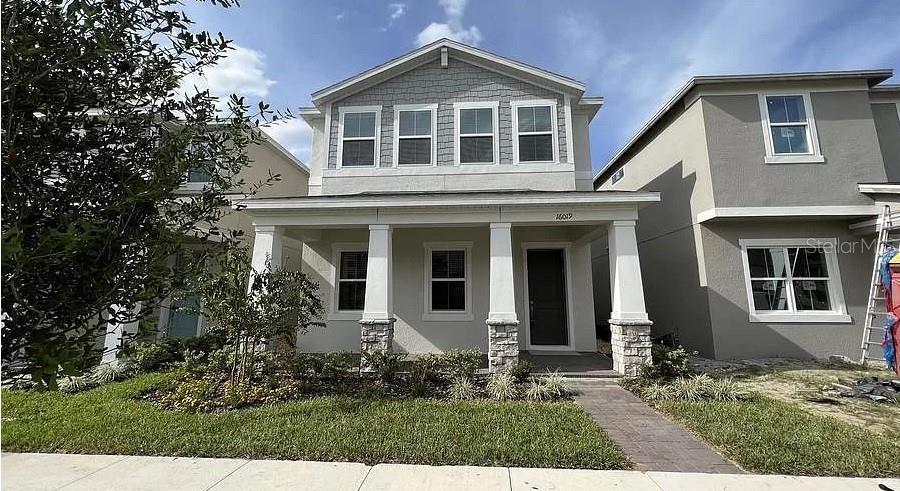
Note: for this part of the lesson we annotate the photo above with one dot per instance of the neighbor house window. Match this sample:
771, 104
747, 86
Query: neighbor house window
476, 127
789, 128
790, 279
448, 281
535, 139
359, 136
618, 175
351, 280
184, 319
414, 128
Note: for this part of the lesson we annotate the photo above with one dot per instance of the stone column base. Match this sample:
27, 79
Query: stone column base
376, 335
630, 345
503, 344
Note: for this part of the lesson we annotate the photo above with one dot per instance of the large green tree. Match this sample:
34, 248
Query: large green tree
97, 138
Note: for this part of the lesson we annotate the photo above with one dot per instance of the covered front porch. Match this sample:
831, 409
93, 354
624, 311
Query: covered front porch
501, 272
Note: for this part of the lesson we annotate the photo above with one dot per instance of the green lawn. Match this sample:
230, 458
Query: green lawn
769, 436
108, 421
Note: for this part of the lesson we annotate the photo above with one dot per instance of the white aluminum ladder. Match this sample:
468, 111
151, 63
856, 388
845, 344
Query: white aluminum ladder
877, 308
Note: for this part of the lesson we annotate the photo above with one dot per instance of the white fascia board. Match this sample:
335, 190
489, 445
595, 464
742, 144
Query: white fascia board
879, 188
443, 201
787, 211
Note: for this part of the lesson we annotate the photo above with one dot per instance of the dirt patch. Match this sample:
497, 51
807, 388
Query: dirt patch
802, 382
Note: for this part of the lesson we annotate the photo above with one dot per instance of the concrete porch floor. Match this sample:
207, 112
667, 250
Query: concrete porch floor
571, 364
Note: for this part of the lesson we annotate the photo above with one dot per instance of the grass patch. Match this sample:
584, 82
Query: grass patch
108, 420
776, 437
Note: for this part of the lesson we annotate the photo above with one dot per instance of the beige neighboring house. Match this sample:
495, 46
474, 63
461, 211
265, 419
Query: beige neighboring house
771, 186
267, 157
451, 206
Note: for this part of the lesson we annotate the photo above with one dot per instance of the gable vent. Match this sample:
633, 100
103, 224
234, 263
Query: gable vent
444, 57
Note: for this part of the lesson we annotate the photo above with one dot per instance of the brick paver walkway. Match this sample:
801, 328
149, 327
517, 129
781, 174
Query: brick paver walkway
653, 442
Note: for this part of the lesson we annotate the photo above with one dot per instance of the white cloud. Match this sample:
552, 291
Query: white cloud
452, 28
241, 72
294, 135
397, 10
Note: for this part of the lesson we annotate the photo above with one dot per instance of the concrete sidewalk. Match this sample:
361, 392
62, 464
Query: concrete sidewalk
119, 472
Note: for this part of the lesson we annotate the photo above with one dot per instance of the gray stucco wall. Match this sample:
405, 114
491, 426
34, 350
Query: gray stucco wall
887, 124
459, 82
414, 334
740, 176
734, 336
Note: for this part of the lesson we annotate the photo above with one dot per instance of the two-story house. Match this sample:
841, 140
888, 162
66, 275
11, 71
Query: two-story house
762, 245
267, 158
451, 206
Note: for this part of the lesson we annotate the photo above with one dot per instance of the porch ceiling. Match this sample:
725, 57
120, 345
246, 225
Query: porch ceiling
522, 207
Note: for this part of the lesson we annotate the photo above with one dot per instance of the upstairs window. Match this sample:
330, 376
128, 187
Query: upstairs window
790, 134
476, 127
535, 139
351, 280
359, 136
415, 128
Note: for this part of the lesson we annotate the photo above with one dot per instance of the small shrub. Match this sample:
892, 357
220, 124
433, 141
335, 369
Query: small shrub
656, 392
461, 389
668, 364
337, 365
111, 372
384, 364
428, 367
220, 360
502, 387
691, 388
557, 385
148, 357
521, 370
538, 391
462, 363
725, 389
73, 385
306, 364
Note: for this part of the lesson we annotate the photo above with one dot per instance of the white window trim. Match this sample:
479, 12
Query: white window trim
494, 106
441, 315
838, 314
396, 144
554, 130
359, 109
336, 250
812, 135
570, 296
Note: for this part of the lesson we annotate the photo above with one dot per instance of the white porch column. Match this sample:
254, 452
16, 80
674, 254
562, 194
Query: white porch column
267, 246
377, 323
117, 335
629, 323
502, 321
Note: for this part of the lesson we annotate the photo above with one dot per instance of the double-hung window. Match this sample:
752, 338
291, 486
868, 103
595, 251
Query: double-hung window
793, 281
789, 128
448, 281
350, 281
415, 127
184, 319
360, 128
476, 129
535, 124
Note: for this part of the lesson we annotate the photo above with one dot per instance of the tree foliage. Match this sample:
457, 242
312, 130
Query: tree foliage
97, 138
279, 305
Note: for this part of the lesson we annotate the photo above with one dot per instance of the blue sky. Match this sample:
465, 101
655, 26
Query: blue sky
633, 53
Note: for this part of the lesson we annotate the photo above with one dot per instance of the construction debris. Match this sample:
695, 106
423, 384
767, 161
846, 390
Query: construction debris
867, 388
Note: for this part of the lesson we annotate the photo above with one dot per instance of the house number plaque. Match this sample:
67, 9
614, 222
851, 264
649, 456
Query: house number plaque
562, 217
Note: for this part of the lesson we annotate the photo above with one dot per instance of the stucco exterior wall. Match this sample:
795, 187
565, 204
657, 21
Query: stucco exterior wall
675, 163
740, 176
887, 125
411, 332
459, 82
294, 181
734, 336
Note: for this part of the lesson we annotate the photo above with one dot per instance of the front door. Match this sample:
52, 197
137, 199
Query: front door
547, 310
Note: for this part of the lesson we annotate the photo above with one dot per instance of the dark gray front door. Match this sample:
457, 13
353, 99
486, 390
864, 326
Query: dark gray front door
547, 310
